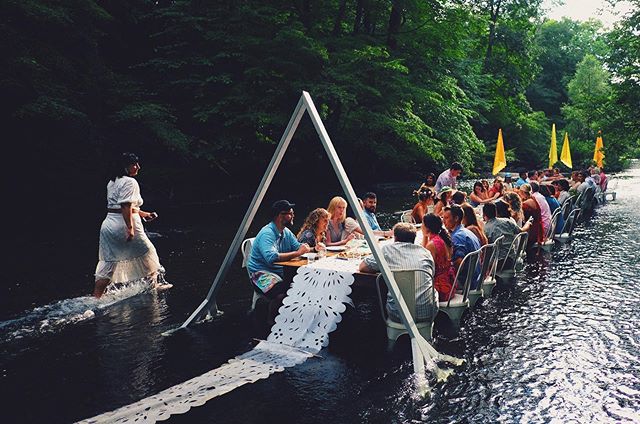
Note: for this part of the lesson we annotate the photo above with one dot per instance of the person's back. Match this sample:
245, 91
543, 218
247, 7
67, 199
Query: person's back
421, 208
400, 256
403, 254
545, 211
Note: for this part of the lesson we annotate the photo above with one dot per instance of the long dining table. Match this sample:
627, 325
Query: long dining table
334, 262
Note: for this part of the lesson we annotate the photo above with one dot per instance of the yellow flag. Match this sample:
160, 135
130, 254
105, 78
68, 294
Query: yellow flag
553, 151
500, 161
565, 156
598, 153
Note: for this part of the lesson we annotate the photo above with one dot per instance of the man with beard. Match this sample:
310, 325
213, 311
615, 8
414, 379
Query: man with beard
274, 243
370, 202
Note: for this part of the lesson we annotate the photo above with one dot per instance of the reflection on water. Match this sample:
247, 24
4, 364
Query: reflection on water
561, 345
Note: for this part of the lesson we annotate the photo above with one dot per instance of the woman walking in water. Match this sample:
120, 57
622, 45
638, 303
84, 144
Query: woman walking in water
125, 253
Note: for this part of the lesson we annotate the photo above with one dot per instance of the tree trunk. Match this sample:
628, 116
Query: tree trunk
395, 20
367, 22
357, 22
339, 17
305, 13
494, 11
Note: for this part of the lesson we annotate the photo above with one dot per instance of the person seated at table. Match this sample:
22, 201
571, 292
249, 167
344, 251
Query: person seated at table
449, 177
562, 190
337, 234
403, 254
495, 227
442, 201
546, 175
556, 174
522, 179
424, 205
486, 186
351, 225
314, 229
429, 183
545, 211
507, 183
548, 191
530, 208
479, 195
471, 223
595, 175
575, 181
436, 240
503, 210
496, 189
515, 206
274, 243
463, 240
458, 198
370, 204
604, 180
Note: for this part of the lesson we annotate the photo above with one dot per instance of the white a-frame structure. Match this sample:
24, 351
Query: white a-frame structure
423, 352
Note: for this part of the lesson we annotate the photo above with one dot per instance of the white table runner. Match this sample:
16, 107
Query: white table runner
309, 313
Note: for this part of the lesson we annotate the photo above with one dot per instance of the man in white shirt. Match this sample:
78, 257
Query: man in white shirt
449, 177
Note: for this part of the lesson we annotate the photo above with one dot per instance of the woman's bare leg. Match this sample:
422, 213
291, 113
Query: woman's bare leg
100, 287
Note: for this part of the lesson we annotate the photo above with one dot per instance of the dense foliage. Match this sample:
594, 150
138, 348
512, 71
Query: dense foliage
403, 86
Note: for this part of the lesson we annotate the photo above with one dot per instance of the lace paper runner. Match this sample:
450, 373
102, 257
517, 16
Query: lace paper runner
309, 313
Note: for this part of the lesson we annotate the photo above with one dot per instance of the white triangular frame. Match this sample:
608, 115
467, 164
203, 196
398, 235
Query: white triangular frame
423, 352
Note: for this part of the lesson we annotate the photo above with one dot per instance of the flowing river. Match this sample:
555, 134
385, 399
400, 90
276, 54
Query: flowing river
562, 345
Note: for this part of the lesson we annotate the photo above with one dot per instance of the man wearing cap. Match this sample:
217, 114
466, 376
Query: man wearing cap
449, 177
274, 243
507, 183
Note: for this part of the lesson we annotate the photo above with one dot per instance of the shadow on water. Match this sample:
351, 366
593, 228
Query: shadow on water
561, 344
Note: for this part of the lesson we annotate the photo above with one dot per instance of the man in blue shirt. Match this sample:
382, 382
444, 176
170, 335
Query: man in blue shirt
462, 240
522, 180
274, 243
370, 203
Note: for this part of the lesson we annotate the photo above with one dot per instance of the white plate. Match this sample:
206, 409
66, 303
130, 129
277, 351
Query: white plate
336, 248
309, 255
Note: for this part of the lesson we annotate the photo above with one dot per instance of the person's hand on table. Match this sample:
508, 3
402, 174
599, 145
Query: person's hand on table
320, 247
349, 238
304, 248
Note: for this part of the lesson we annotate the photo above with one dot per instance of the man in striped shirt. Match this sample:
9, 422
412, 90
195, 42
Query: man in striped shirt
403, 254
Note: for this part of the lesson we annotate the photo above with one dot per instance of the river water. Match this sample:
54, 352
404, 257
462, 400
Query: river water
562, 345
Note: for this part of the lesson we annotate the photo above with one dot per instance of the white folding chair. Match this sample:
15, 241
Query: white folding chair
407, 217
408, 282
549, 236
488, 265
516, 250
566, 235
459, 301
245, 247
567, 206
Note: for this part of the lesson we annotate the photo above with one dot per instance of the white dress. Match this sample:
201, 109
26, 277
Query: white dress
119, 260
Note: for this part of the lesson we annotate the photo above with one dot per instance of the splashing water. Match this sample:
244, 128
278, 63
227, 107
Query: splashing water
55, 316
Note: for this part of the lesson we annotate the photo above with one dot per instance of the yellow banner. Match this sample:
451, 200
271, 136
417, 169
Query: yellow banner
500, 161
565, 156
553, 151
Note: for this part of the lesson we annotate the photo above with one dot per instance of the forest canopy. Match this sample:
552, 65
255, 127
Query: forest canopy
403, 86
